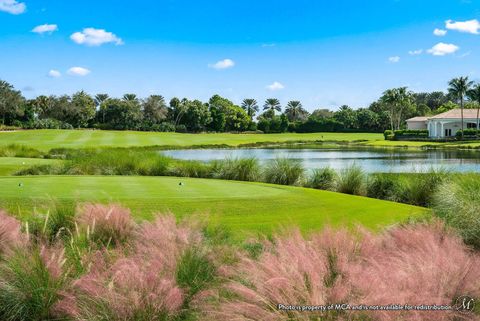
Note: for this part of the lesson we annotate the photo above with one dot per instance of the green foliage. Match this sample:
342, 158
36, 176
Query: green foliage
352, 180
458, 203
15, 150
420, 188
388, 134
240, 169
284, 171
383, 186
323, 178
28, 290
194, 271
469, 132
47, 123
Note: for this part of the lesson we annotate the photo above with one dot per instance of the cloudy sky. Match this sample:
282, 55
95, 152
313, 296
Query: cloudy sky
324, 53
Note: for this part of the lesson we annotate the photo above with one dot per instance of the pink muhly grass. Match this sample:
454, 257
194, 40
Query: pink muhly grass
420, 264
138, 284
291, 271
415, 265
10, 233
106, 223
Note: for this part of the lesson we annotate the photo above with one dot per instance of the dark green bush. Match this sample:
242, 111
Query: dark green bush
388, 134
383, 186
351, 180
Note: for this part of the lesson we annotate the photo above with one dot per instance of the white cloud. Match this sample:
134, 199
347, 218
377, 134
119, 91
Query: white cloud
442, 49
415, 52
45, 28
469, 26
78, 71
12, 6
439, 32
394, 59
95, 37
54, 73
275, 86
223, 64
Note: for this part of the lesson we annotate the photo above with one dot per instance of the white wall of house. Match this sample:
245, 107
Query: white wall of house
447, 128
415, 125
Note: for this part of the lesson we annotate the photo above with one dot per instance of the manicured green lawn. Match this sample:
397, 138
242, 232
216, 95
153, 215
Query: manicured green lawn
48, 139
240, 206
9, 165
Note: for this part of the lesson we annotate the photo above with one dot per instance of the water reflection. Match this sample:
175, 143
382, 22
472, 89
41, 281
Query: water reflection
372, 160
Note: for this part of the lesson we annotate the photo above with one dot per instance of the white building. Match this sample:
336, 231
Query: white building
446, 124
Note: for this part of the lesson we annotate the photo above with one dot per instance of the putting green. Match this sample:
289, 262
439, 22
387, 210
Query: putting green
240, 206
48, 139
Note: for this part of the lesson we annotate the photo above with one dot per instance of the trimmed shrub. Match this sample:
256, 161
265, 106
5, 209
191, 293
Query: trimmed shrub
351, 180
284, 171
458, 203
388, 134
323, 178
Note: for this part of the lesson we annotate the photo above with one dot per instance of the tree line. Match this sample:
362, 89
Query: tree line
219, 114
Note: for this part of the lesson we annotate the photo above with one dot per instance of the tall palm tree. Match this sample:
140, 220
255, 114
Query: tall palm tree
294, 110
130, 97
458, 88
474, 95
250, 106
99, 99
272, 104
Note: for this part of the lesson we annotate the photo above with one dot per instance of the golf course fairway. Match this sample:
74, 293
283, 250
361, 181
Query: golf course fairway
242, 207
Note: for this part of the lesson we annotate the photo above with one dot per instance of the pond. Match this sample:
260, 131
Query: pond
371, 160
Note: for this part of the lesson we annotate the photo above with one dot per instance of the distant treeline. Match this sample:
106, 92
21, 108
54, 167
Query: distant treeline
219, 114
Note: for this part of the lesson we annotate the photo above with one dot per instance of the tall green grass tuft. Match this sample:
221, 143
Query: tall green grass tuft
284, 171
352, 180
458, 203
323, 178
194, 271
30, 284
419, 188
14, 150
383, 186
239, 169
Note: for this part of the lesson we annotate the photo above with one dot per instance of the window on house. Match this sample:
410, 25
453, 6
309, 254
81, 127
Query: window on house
471, 125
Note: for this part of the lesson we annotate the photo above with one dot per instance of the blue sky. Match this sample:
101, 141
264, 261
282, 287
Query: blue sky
324, 53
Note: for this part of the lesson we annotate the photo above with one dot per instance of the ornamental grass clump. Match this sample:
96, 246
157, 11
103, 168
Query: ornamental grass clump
239, 169
284, 171
323, 178
155, 278
11, 236
413, 264
105, 224
458, 203
351, 180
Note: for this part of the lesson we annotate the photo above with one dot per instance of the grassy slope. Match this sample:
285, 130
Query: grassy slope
47, 139
9, 165
242, 207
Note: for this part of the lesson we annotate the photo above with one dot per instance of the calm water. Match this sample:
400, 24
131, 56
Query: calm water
370, 160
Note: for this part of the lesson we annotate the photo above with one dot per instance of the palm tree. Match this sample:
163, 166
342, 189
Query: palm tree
99, 99
272, 104
397, 100
294, 110
474, 95
458, 88
130, 97
250, 106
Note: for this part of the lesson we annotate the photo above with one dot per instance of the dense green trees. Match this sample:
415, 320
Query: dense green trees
222, 115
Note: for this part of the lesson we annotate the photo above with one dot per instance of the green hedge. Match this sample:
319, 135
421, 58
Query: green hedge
470, 132
405, 133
